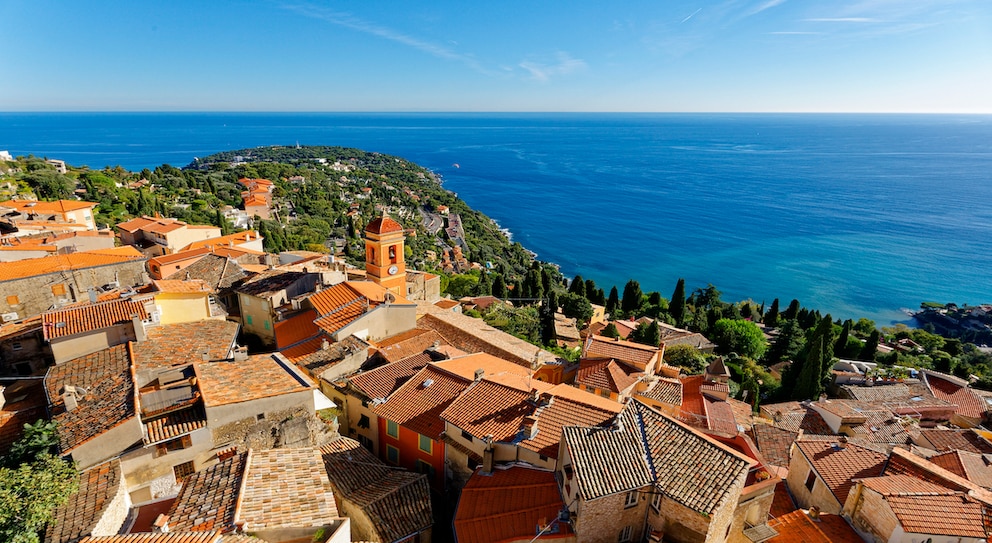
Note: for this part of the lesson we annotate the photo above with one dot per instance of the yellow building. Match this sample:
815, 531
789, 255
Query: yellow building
384, 255
182, 301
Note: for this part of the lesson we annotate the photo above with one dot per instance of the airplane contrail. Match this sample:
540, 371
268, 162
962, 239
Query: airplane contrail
691, 15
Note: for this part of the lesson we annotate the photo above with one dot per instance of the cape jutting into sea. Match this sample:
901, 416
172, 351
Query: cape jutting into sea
856, 215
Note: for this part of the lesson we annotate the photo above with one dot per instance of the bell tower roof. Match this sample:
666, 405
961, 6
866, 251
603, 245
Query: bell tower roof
383, 225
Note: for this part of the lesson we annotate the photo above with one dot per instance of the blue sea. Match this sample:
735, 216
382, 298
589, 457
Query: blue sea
856, 215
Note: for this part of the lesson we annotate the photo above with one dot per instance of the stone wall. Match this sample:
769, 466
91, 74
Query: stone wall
292, 428
35, 295
601, 520
799, 470
870, 514
115, 513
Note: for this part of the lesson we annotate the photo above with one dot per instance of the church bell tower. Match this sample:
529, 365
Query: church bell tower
384, 254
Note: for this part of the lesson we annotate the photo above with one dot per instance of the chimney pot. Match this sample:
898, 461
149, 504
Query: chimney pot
479, 373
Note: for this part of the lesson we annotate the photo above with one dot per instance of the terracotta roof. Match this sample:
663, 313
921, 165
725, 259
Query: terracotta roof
664, 390
90, 317
75, 519
159, 225
794, 416
564, 411
174, 537
175, 424
32, 267
25, 404
286, 488
838, 466
56, 206
488, 408
475, 336
720, 417
223, 241
259, 376
311, 356
383, 225
496, 369
177, 257
645, 447
397, 502
107, 395
184, 343
417, 404
620, 350
507, 506
190, 286
969, 465
926, 508
246, 181
269, 283
255, 200
963, 440
796, 527
606, 374
408, 343
219, 272
384, 380
295, 329
208, 498
782, 503
445, 303
340, 318
838, 530
969, 404
774, 443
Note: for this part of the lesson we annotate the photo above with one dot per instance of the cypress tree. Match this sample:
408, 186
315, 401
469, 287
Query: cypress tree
485, 286
676, 307
771, 317
654, 298
536, 289
613, 302
809, 385
840, 346
600, 297
871, 346
590, 290
792, 312
632, 295
499, 287
577, 286
825, 330
610, 331
546, 280
652, 336
789, 342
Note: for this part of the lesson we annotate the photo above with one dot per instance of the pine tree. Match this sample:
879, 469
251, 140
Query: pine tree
613, 302
771, 317
789, 342
632, 295
577, 286
610, 331
676, 307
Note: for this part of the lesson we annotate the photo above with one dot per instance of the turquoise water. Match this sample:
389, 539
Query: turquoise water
857, 215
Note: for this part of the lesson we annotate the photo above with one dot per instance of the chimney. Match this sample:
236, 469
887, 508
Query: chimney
487, 461
479, 373
69, 398
534, 395
139, 329
842, 442
324, 344
240, 354
814, 513
545, 399
92, 293
530, 427
205, 355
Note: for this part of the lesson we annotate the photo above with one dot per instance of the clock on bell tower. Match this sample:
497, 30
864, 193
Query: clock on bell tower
384, 254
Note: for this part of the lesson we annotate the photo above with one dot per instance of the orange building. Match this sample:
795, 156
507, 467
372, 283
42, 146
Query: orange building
384, 254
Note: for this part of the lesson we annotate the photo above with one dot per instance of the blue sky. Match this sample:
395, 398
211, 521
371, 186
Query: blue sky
657, 55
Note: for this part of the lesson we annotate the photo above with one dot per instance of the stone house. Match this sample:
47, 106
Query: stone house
607, 378
23, 349
31, 287
821, 471
645, 476
260, 296
99, 508
79, 330
643, 358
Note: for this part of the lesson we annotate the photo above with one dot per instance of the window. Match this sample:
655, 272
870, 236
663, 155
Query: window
392, 455
260, 416
425, 445
392, 254
183, 470
267, 325
543, 458
364, 422
248, 319
16, 346
425, 468
631, 499
392, 429
467, 436
624, 535
810, 480
58, 290
656, 502
177, 444
13, 300
366, 442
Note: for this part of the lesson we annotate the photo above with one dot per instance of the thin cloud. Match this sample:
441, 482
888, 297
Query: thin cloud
564, 64
842, 20
762, 7
691, 15
353, 23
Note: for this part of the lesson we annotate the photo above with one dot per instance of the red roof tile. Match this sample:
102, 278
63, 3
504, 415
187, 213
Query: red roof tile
606, 374
408, 343
188, 286
969, 465
507, 505
259, 376
417, 405
75, 519
383, 225
384, 380
237, 238
296, 329
964, 440
623, 351
838, 466
796, 527
184, 343
969, 404
32, 267
57, 206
